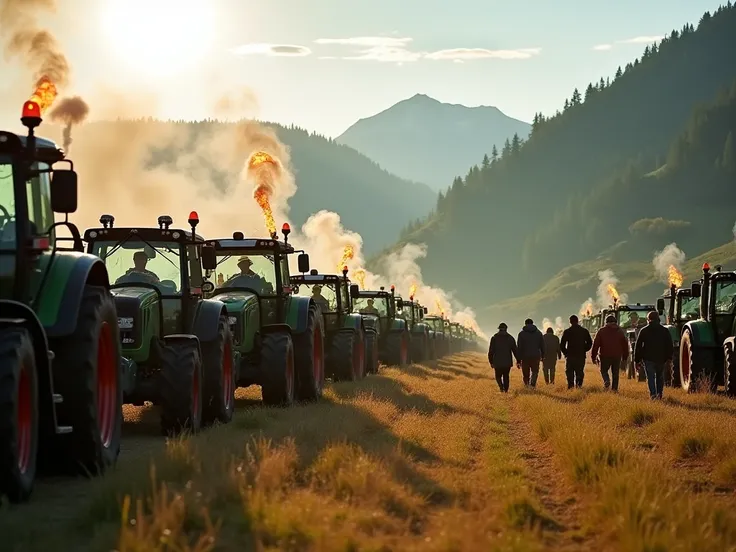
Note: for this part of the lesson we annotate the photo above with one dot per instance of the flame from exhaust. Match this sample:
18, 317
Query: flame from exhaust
613, 292
347, 254
412, 291
440, 310
587, 308
360, 277
45, 93
265, 170
674, 277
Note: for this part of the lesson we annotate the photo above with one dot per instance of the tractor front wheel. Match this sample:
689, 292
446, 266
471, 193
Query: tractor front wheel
397, 348
277, 369
87, 368
347, 356
309, 357
695, 364
18, 415
218, 368
180, 387
371, 352
420, 348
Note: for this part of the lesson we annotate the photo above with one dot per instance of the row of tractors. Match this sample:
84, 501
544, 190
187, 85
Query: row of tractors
129, 315
702, 321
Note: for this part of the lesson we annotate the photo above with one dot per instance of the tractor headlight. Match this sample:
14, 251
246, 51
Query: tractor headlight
125, 323
232, 320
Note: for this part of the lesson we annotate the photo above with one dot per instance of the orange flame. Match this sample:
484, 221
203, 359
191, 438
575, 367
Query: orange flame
45, 93
412, 291
360, 277
347, 254
613, 292
586, 309
674, 276
439, 307
265, 170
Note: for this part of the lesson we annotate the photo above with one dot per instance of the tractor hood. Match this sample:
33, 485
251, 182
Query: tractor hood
369, 320
130, 300
236, 301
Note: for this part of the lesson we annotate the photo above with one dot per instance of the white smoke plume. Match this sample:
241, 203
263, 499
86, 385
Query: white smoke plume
547, 323
668, 264
559, 326
587, 308
608, 290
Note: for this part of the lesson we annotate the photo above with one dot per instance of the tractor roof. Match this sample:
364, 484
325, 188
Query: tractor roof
248, 244
46, 150
330, 278
364, 293
636, 307
140, 234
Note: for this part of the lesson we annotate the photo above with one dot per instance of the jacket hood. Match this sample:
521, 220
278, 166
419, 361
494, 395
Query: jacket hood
530, 328
613, 325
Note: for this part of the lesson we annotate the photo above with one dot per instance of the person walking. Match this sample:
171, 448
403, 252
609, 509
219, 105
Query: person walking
531, 351
575, 344
552, 354
611, 344
501, 354
655, 349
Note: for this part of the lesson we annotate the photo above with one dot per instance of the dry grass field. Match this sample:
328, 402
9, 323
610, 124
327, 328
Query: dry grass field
432, 458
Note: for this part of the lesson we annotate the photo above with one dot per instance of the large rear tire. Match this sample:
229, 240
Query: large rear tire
729, 368
181, 388
420, 347
87, 368
696, 363
218, 368
309, 358
397, 348
371, 352
277, 369
19, 419
347, 357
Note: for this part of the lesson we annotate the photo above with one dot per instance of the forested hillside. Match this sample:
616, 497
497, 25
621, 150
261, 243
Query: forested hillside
329, 176
642, 154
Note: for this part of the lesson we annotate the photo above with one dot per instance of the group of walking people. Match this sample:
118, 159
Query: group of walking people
610, 349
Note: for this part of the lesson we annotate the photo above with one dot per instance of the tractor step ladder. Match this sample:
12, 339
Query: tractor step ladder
58, 399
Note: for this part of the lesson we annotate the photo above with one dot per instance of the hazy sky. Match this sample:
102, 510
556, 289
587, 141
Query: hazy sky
323, 64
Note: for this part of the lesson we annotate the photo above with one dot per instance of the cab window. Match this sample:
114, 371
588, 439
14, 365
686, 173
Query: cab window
344, 298
195, 266
38, 189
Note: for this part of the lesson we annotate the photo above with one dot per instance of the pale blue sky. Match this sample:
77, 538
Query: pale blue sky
328, 95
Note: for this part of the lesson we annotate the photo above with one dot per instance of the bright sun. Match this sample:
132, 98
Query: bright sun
159, 37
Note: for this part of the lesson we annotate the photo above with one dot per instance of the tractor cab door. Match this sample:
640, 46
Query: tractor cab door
725, 308
193, 265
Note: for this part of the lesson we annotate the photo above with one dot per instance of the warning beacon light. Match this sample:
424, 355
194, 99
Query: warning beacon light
285, 230
193, 219
345, 271
31, 115
706, 267
164, 221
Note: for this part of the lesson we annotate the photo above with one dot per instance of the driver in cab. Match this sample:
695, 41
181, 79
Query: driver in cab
249, 279
633, 321
320, 299
138, 272
370, 308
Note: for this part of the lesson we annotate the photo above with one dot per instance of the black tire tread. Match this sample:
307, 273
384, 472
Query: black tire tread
275, 350
393, 347
729, 371
371, 352
341, 356
214, 407
179, 362
307, 389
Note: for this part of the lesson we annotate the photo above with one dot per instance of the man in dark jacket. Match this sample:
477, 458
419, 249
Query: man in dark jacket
501, 354
654, 348
575, 344
531, 351
552, 354
610, 341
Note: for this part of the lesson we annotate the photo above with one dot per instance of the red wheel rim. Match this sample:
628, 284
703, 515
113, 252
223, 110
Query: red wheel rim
107, 385
404, 350
24, 420
195, 396
227, 375
685, 363
290, 374
317, 359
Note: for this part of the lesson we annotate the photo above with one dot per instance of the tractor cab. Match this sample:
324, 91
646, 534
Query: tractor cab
330, 292
717, 301
378, 308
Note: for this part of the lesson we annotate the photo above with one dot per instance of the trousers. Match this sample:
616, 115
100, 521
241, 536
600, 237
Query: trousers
548, 369
502, 378
530, 371
575, 371
612, 364
655, 378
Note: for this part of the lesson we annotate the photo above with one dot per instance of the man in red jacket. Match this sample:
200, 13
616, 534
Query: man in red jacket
610, 341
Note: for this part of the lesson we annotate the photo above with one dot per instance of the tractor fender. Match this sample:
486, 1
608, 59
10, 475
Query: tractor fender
17, 314
674, 334
181, 339
702, 334
297, 312
397, 325
61, 296
354, 321
206, 319
420, 328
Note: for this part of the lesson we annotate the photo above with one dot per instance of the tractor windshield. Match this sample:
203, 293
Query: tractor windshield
255, 271
690, 309
371, 305
38, 191
435, 323
7, 203
629, 319
133, 261
322, 293
726, 297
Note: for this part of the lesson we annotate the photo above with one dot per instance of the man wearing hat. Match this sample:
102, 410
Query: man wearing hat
655, 349
320, 299
501, 354
249, 279
611, 343
138, 271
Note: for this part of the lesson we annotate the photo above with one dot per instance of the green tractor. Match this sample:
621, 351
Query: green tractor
177, 345
60, 393
631, 319
378, 311
421, 340
279, 337
438, 324
707, 344
352, 347
681, 307
457, 337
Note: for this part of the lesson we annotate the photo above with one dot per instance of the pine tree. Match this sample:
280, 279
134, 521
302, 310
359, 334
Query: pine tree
608, 82
515, 144
567, 104
486, 162
618, 72
576, 98
494, 154
601, 84
589, 92
506, 149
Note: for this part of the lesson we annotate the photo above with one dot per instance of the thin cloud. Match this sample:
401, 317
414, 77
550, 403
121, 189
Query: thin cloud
634, 40
396, 50
284, 50
603, 47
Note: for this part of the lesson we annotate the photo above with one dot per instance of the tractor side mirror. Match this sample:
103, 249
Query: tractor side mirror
209, 257
660, 305
302, 262
64, 192
425, 310
354, 291
696, 289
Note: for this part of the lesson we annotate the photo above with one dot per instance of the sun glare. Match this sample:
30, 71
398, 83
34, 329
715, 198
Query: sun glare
159, 37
